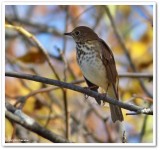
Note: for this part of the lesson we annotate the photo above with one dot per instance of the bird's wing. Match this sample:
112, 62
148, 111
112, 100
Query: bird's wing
109, 62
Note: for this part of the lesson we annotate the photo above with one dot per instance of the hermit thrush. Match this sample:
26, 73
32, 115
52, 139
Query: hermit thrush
97, 64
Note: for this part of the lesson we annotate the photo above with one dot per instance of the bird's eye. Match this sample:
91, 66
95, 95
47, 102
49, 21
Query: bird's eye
77, 33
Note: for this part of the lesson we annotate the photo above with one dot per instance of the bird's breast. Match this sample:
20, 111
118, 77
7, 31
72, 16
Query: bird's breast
91, 65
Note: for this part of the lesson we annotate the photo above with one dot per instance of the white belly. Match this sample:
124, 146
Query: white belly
95, 72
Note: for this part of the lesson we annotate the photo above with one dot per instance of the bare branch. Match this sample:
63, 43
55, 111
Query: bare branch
65, 100
38, 26
91, 93
121, 75
136, 75
143, 129
22, 119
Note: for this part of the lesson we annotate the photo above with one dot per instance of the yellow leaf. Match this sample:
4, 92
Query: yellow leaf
137, 50
126, 95
140, 54
29, 105
8, 129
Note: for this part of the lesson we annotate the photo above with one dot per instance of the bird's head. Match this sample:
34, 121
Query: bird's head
83, 34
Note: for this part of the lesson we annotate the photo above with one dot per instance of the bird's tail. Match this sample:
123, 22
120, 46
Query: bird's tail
116, 112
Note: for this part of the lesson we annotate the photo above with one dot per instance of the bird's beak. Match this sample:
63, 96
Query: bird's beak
69, 34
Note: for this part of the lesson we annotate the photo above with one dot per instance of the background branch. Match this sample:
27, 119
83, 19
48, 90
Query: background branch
37, 26
135, 75
65, 100
11, 114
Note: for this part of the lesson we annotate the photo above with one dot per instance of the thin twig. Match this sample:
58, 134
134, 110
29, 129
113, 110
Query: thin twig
135, 75
49, 114
65, 100
23, 99
143, 129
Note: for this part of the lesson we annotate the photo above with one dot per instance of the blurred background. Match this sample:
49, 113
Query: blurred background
65, 112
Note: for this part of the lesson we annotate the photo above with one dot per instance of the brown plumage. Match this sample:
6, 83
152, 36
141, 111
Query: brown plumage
112, 75
97, 63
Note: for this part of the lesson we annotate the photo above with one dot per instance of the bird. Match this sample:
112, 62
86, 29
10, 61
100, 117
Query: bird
97, 64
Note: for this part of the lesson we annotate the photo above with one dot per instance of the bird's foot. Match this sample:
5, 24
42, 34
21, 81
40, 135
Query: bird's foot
86, 96
102, 101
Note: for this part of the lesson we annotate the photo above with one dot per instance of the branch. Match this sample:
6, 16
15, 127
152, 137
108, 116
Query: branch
121, 75
65, 100
27, 122
135, 75
37, 26
88, 92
